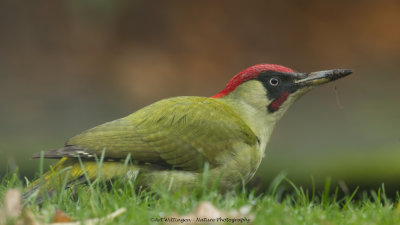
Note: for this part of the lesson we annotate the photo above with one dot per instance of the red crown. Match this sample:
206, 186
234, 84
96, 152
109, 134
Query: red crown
248, 74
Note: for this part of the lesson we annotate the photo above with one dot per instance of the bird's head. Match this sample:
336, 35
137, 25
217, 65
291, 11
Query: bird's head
273, 87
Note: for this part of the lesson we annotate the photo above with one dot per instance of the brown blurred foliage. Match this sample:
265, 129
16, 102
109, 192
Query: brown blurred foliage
138, 47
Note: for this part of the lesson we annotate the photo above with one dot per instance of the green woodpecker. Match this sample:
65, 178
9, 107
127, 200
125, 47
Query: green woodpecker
170, 142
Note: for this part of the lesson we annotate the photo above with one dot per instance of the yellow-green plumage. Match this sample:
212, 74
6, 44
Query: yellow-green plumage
169, 140
182, 131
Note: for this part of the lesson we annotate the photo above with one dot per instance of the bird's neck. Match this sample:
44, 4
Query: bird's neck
250, 103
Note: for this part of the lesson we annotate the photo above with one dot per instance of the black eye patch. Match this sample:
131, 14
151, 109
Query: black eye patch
277, 83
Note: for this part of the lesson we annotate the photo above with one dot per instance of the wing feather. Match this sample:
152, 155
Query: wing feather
183, 132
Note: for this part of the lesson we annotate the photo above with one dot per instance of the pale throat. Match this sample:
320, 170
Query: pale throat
250, 102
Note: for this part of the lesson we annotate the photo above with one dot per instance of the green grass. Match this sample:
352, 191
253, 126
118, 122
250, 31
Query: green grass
282, 203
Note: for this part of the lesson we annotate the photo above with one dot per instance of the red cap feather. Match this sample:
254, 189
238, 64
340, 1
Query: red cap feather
250, 73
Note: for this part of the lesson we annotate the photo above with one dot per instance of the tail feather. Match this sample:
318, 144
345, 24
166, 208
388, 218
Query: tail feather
68, 172
66, 151
50, 181
40, 191
29, 192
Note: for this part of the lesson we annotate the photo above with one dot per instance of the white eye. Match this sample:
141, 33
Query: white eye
274, 81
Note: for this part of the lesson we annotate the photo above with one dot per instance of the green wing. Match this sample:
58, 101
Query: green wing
181, 132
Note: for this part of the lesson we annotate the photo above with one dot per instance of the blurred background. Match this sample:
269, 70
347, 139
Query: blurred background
66, 66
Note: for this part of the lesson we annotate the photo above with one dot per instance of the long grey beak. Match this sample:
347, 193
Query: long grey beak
321, 77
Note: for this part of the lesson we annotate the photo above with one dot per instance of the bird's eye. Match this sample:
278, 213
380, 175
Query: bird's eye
274, 81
